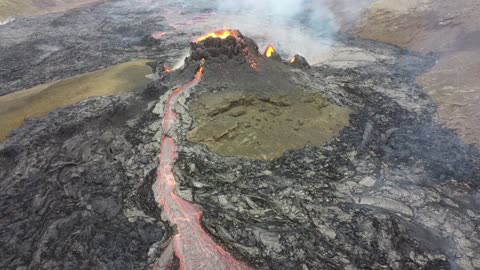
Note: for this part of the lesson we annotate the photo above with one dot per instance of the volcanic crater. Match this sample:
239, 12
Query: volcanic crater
337, 203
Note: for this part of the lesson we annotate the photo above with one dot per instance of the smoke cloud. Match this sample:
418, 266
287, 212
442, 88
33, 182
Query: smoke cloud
291, 26
306, 27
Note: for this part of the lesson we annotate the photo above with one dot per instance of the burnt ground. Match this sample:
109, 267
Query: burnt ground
393, 191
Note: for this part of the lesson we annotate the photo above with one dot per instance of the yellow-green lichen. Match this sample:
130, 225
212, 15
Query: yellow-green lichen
264, 126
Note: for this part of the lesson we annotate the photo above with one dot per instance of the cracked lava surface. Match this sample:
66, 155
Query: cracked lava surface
191, 244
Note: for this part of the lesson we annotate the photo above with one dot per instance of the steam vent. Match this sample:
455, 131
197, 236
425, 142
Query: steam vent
240, 157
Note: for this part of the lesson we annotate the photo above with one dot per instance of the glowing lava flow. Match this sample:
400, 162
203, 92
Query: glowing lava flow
292, 60
248, 56
223, 34
166, 68
269, 51
192, 246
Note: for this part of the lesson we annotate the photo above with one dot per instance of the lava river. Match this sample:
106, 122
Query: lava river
190, 244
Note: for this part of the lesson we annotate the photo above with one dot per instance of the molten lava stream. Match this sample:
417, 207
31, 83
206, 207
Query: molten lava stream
192, 246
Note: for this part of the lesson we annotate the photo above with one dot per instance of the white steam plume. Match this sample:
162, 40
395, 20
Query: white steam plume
291, 26
306, 27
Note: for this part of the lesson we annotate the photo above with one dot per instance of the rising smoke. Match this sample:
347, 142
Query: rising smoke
306, 27
291, 26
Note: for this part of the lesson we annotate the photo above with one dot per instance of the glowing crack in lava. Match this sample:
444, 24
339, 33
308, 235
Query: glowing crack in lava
269, 51
223, 34
191, 245
292, 60
166, 68
251, 61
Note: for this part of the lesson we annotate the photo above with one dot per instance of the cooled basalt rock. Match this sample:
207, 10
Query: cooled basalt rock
69, 186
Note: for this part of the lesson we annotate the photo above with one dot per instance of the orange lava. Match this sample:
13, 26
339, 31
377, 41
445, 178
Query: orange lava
166, 68
191, 245
269, 51
250, 59
292, 60
223, 34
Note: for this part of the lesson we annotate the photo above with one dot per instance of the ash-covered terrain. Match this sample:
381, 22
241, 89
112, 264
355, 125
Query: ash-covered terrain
386, 187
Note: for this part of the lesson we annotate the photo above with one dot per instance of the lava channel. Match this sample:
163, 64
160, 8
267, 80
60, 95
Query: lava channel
191, 245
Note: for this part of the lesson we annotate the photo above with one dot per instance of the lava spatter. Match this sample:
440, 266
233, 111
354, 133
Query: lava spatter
222, 34
192, 246
269, 51
251, 60
166, 68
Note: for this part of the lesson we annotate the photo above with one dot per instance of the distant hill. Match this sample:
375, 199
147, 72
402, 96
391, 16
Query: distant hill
14, 8
448, 28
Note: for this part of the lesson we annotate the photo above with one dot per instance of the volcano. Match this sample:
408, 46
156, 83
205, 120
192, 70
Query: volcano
259, 198
244, 160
